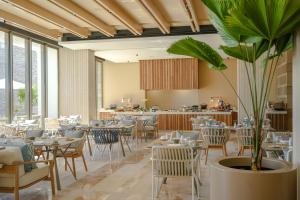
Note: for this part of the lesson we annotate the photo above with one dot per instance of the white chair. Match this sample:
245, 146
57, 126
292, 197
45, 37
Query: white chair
172, 162
245, 139
12, 174
199, 121
51, 126
8, 130
215, 138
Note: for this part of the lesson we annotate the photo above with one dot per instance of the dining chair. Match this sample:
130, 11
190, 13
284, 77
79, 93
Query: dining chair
173, 162
13, 176
199, 121
32, 134
128, 133
215, 138
277, 135
51, 126
147, 126
8, 130
75, 150
74, 119
103, 138
245, 139
96, 123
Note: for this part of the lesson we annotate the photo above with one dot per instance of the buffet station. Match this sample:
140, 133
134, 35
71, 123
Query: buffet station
180, 119
176, 119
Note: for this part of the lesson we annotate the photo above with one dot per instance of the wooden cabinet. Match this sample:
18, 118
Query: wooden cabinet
169, 74
183, 121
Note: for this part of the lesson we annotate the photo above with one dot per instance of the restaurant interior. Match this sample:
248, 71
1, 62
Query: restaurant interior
149, 99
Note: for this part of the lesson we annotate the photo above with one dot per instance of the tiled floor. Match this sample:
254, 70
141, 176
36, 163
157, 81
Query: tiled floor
128, 179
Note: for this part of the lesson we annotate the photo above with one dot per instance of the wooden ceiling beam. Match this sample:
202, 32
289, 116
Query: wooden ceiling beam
156, 15
28, 25
116, 10
51, 17
86, 16
190, 11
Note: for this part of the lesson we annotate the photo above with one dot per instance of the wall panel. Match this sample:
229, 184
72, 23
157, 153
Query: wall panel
169, 74
77, 93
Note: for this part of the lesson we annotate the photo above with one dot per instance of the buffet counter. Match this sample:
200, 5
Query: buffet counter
175, 120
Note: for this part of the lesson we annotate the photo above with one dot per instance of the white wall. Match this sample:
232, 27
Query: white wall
121, 80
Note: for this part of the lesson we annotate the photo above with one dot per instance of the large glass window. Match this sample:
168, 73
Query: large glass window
3, 77
28, 79
19, 79
52, 82
36, 83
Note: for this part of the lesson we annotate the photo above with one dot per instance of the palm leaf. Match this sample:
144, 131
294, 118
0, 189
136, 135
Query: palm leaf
197, 49
268, 19
244, 52
218, 10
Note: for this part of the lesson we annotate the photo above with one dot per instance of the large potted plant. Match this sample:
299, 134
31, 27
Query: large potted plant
253, 31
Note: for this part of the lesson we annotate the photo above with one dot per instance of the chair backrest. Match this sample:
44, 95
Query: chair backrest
172, 161
245, 136
199, 121
9, 156
282, 135
76, 134
34, 133
214, 135
96, 123
105, 135
74, 119
8, 130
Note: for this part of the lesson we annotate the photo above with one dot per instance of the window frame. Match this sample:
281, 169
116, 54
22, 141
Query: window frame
28, 73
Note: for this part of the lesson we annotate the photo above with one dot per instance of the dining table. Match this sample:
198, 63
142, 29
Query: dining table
57, 145
120, 127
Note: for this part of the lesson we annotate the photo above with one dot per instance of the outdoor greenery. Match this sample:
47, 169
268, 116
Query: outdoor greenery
251, 30
22, 95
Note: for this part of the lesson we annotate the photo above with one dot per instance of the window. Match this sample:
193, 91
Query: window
36, 81
3, 77
26, 67
52, 82
19, 79
99, 84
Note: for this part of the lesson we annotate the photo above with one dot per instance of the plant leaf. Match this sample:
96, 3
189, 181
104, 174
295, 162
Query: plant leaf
268, 19
244, 52
218, 11
284, 43
198, 49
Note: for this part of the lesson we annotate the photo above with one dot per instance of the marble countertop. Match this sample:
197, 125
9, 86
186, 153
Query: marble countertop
283, 112
171, 113
187, 113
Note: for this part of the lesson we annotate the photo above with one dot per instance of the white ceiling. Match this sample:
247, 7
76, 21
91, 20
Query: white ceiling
135, 49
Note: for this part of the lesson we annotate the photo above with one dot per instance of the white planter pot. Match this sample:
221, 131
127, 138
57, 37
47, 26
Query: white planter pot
227, 183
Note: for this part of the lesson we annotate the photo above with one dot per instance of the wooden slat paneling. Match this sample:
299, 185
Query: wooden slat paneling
278, 121
183, 121
169, 74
